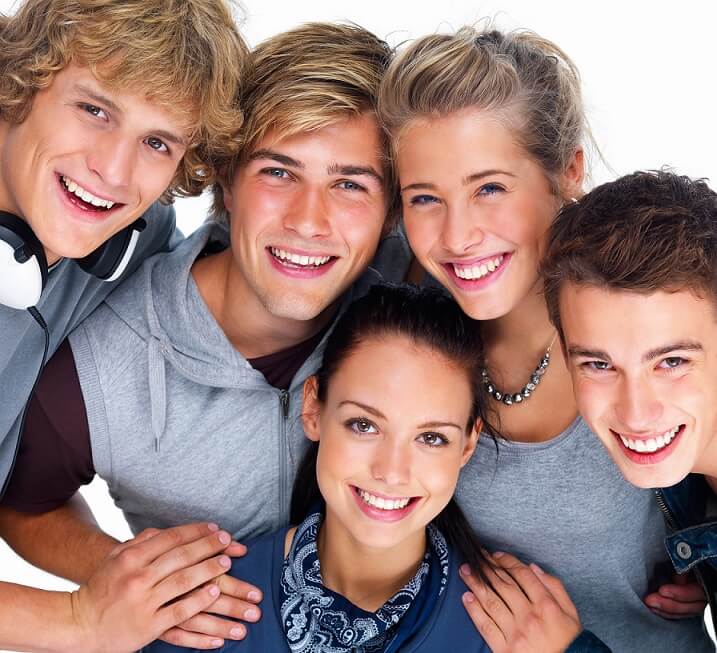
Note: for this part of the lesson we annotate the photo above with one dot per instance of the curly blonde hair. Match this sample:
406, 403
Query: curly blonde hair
185, 55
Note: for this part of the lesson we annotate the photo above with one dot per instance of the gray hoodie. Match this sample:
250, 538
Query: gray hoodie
182, 427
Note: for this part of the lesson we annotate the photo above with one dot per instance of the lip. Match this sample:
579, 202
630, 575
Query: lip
474, 285
649, 458
79, 210
386, 516
296, 272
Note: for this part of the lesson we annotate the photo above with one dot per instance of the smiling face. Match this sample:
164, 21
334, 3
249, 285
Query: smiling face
307, 213
86, 162
644, 369
393, 439
476, 208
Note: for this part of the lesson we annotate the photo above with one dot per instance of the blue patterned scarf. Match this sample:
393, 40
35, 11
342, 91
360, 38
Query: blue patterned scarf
317, 620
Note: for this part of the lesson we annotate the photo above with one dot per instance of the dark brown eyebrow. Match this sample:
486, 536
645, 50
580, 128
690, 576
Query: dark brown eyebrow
354, 171
470, 179
575, 351
85, 90
275, 156
368, 409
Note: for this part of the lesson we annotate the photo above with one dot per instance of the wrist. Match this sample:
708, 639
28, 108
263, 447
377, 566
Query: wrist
80, 634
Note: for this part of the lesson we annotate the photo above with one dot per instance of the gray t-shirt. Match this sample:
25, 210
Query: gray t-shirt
564, 505
69, 297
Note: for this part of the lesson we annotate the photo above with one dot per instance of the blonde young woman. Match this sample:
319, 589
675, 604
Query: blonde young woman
489, 132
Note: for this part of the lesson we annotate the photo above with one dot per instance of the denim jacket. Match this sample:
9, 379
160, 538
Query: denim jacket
692, 543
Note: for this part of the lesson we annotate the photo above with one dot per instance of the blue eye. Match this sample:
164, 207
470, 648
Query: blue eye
672, 362
350, 185
597, 366
422, 200
156, 144
93, 110
278, 173
490, 189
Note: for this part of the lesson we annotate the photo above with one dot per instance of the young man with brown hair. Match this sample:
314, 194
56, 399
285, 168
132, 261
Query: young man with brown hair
188, 379
105, 106
631, 285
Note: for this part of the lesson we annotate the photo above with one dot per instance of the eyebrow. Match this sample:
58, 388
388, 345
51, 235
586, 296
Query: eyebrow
275, 156
576, 351
354, 171
83, 89
466, 181
438, 425
378, 413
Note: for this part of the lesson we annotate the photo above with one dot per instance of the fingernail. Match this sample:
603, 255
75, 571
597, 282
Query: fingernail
498, 554
213, 527
224, 561
214, 590
465, 570
666, 593
468, 597
225, 538
251, 613
237, 632
216, 643
254, 596
654, 603
537, 569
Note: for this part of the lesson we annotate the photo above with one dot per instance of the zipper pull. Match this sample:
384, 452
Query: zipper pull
284, 399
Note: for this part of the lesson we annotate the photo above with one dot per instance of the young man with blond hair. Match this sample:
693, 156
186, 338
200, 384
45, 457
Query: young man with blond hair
631, 284
105, 107
187, 380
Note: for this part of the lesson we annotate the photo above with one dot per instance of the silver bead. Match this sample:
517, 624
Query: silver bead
517, 398
490, 389
498, 395
507, 399
530, 387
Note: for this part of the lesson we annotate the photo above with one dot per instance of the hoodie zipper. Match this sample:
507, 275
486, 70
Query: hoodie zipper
283, 471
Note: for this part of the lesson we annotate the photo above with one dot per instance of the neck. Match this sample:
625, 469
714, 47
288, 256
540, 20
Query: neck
247, 324
367, 576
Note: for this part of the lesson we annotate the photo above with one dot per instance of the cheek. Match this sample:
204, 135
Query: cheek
422, 234
593, 399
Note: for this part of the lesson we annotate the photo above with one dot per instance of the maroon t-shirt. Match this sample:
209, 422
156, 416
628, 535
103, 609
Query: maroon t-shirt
55, 455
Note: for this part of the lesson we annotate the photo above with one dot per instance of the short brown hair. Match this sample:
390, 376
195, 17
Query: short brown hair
186, 55
525, 80
305, 79
644, 232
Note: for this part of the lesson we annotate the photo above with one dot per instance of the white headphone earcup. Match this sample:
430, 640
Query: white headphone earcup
20, 283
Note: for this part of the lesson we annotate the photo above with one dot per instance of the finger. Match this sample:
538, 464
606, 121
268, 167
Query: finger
185, 555
493, 605
146, 552
200, 600
671, 609
185, 580
182, 638
239, 589
556, 589
488, 629
685, 593
524, 576
236, 550
507, 589
228, 606
209, 624
145, 535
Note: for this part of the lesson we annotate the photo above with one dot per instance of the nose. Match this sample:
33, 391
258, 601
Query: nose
638, 407
113, 159
461, 230
309, 214
391, 463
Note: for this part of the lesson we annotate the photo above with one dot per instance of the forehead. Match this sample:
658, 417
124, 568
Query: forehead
625, 323
399, 376
458, 142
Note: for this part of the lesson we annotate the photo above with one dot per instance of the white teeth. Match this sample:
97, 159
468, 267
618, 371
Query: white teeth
86, 195
651, 444
381, 503
298, 259
477, 271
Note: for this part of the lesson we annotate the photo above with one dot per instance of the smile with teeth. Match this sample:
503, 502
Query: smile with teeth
381, 503
651, 445
85, 195
477, 271
299, 259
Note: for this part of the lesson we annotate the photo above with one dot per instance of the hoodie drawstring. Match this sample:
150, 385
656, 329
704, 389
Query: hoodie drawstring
157, 390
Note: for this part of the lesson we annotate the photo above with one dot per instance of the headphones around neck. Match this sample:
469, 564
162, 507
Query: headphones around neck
23, 265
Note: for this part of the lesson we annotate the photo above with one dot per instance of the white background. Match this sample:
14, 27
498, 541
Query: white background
648, 70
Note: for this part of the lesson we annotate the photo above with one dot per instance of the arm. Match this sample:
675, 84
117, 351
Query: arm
148, 582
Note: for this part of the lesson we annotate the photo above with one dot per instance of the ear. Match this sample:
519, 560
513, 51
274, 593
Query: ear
471, 442
310, 409
574, 176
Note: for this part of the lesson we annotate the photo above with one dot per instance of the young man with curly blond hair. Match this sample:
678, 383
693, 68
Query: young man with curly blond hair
105, 107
